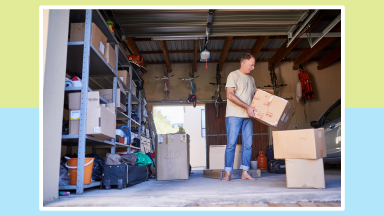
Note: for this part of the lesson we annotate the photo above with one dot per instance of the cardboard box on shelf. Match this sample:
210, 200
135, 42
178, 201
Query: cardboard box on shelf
217, 157
110, 56
121, 97
305, 173
101, 120
299, 144
272, 110
124, 76
74, 100
98, 39
133, 88
236, 174
172, 156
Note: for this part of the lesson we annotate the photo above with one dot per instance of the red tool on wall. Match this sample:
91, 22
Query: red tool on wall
306, 85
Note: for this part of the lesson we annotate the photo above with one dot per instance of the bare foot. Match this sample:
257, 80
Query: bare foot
227, 177
245, 176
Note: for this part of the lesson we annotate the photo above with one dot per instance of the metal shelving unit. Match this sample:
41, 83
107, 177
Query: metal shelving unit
83, 57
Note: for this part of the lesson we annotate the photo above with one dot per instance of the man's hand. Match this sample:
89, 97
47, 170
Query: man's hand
251, 111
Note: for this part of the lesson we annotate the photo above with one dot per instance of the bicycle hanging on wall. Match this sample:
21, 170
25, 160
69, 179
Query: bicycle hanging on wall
218, 90
166, 83
274, 80
192, 98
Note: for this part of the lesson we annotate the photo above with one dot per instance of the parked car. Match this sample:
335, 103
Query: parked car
331, 122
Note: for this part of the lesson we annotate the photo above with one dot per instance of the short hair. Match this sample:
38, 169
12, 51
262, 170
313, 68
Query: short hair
246, 56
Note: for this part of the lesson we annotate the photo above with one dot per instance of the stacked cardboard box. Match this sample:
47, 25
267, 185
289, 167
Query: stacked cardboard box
124, 76
101, 118
303, 151
172, 156
121, 97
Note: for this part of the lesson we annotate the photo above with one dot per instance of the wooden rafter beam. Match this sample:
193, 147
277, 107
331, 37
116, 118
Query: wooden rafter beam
224, 52
329, 58
284, 50
258, 45
166, 55
321, 45
281, 53
132, 46
306, 56
195, 57
134, 49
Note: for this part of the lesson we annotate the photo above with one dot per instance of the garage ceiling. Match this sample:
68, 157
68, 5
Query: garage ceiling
177, 36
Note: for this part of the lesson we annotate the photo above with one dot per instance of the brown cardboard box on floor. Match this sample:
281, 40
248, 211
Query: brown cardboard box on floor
124, 76
217, 157
304, 173
172, 156
272, 110
110, 56
98, 39
299, 144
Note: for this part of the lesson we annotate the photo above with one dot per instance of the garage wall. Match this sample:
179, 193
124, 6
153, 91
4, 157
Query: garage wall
326, 84
55, 56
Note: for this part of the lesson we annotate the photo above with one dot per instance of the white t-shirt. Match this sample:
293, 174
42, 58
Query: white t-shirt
245, 89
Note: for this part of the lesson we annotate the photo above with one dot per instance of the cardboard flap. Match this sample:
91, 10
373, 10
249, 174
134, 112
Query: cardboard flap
111, 107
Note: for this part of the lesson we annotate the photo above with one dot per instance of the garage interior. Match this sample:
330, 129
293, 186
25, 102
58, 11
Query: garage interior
170, 42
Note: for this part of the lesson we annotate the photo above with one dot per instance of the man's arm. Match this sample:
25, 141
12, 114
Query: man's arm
234, 99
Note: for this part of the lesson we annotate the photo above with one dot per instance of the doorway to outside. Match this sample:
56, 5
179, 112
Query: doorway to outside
168, 119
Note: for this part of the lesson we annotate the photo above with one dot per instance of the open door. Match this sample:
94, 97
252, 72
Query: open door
216, 133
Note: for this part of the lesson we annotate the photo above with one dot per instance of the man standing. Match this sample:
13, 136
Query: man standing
240, 90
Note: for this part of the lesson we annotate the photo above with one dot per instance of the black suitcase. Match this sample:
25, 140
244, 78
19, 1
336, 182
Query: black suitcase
276, 166
124, 175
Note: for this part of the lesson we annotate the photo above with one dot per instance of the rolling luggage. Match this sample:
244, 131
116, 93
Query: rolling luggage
124, 175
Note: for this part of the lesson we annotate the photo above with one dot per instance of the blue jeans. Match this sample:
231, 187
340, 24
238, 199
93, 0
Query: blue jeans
233, 126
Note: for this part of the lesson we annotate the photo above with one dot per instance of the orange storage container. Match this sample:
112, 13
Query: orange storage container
72, 168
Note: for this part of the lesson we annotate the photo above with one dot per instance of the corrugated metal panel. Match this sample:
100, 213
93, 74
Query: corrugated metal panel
242, 44
181, 45
215, 56
256, 18
213, 44
293, 55
234, 56
274, 43
148, 45
265, 55
175, 57
303, 44
247, 30
153, 57
183, 22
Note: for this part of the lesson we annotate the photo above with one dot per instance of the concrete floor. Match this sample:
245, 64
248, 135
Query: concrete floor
200, 191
